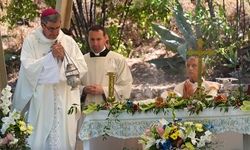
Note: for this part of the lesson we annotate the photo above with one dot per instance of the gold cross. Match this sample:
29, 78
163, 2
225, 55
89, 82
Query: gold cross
199, 53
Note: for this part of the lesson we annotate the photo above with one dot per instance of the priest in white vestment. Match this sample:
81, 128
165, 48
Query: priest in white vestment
187, 88
95, 83
42, 89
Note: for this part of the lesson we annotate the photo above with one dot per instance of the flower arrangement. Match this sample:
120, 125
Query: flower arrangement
14, 130
175, 135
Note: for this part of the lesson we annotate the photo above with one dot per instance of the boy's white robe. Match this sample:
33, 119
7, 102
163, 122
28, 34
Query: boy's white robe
40, 97
98, 75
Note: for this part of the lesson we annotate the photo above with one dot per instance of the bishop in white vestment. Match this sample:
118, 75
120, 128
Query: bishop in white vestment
42, 87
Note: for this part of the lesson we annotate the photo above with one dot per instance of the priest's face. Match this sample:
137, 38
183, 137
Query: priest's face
96, 40
51, 30
192, 69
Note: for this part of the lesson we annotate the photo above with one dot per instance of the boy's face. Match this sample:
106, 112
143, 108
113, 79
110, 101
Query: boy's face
96, 40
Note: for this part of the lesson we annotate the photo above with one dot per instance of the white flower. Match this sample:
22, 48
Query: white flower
208, 136
148, 101
9, 120
4, 98
202, 142
14, 141
163, 122
192, 137
182, 135
151, 141
207, 133
193, 141
194, 101
2, 105
199, 102
6, 93
203, 138
6, 110
5, 104
15, 114
143, 138
4, 127
135, 102
8, 87
141, 142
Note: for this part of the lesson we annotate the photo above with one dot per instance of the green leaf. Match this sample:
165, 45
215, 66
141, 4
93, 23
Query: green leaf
6, 36
90, 110
167, 129
182, 50
148, 107
184, 26
167, 36
189, 131
10, 57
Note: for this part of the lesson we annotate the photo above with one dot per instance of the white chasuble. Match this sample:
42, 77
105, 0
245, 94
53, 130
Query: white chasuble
48, 103
212, 87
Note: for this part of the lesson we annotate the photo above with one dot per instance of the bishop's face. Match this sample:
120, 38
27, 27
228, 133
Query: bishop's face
51, 30
96, 40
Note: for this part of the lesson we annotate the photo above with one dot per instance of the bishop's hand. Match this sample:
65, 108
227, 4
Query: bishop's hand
188, 90
57, 50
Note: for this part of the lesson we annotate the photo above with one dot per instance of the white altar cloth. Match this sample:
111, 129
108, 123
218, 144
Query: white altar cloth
132, 126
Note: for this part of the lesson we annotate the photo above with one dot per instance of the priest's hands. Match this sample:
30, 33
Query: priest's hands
188, 90
57, 50
93, 89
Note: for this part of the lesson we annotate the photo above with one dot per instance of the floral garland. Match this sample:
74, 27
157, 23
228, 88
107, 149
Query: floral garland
237, 99
14, 130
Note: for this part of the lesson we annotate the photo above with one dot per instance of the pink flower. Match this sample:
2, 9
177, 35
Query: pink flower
188, 107
160, 130
147, 131
5, 140
25, 142
197, 108
9, 136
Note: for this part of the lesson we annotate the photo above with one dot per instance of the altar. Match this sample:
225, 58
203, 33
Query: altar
132, 126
